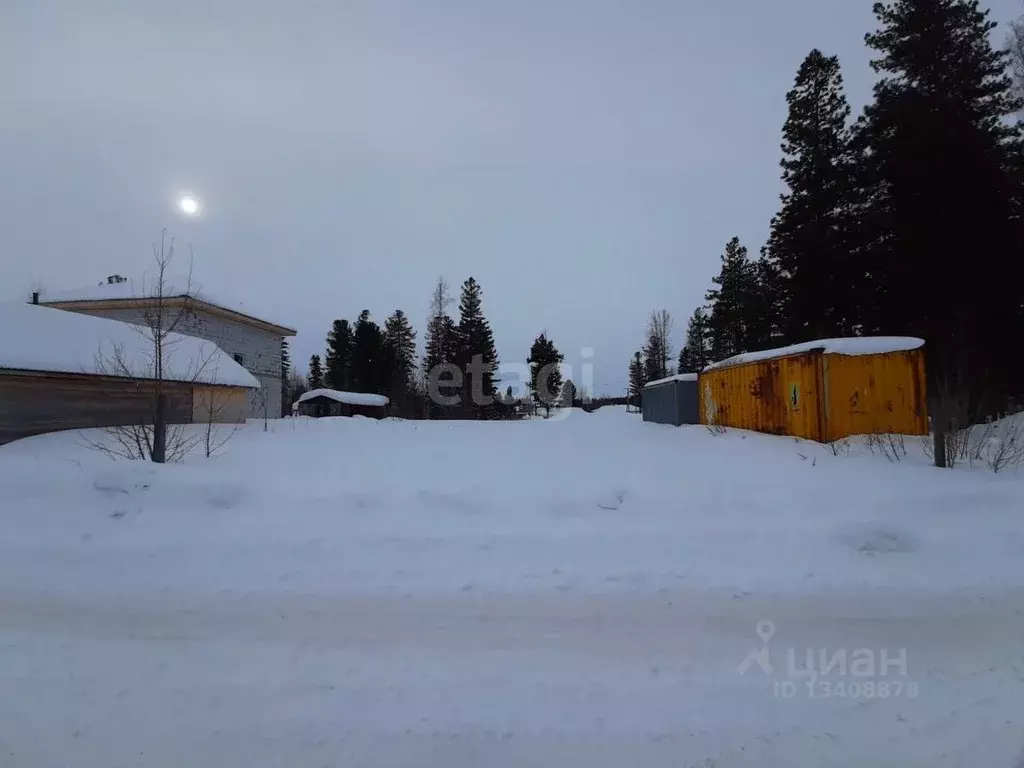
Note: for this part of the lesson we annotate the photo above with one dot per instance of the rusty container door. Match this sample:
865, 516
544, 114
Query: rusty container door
875, 394
780, 396
802, 379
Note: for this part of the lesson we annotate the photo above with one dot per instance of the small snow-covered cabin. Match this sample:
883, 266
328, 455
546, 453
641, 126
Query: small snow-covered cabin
62, 370
332, 402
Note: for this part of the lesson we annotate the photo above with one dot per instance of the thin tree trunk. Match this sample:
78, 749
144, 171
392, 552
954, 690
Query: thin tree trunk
160, 430
938, 434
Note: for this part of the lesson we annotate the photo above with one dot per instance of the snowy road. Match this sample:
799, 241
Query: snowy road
503, 680
578, 594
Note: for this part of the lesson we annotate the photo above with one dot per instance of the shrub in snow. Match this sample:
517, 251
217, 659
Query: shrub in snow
1001, 443
839, 446
892, 446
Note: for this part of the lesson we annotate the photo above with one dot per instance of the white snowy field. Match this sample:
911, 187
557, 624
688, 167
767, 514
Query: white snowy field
566, 592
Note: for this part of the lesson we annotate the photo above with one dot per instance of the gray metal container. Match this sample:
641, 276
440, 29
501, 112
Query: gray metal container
672, 401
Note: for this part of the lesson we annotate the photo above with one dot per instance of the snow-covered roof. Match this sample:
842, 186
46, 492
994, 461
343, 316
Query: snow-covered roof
667, 379
35, 338
854, 345
146, 287
350, 398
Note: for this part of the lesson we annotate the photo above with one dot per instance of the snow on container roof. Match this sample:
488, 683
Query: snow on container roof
667, 379
854, 345
35, 338
349, 398
146, 287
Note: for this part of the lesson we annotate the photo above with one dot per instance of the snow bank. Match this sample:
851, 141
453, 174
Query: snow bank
854, 345
146, 286
37, 338
350, 398
677, 377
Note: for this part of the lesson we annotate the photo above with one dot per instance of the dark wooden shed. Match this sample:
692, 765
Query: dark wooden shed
333, 402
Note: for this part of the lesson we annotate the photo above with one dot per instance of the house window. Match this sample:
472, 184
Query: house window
239, 359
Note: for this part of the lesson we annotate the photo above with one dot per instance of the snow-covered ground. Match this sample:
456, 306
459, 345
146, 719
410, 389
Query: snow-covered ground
582, 591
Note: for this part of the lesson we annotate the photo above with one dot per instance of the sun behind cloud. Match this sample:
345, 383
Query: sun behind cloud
190, 205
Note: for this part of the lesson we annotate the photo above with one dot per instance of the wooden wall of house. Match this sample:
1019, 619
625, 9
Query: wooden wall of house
220, 405
31, 404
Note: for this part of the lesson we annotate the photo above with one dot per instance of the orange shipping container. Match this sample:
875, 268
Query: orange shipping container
821, 390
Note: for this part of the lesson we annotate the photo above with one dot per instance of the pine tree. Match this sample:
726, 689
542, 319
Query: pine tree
400, 349
441, 346
568, 398
368, 368
809, 242
476, 355
286, 369
693, 357
441, 342
653, 369
657, 351
942, 242
637, 378
338, 359
316, 373
545, 371
763, 318
729, 303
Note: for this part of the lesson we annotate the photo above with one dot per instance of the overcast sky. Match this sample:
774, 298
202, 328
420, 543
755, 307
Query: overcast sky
585, 160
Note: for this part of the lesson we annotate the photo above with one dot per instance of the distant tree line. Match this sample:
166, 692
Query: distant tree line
458, 377
905, 221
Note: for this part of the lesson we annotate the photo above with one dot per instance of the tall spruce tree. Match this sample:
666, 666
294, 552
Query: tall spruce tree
637, 378
441, 349
316, 373
693, 357
729, 303
441, 343
810, 240
942, 241
545, 371
764, 318
338, 360
369, 361
476, 356
441, 332
400, 350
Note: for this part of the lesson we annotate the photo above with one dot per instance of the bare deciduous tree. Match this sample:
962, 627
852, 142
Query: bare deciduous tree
149, 437
658, 350
216, 402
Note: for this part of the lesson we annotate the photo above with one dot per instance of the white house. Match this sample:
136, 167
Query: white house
251, 339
